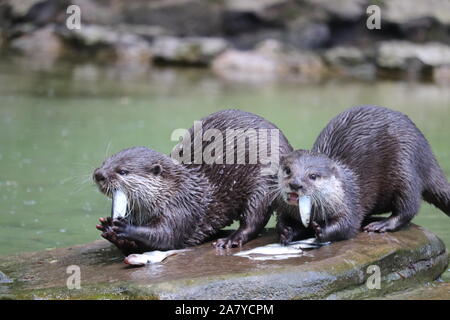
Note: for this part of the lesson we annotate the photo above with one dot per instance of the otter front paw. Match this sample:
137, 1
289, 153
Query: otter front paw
227, 243
105, 224
317, 230
286, 234
126, 246
233, 241
123, 229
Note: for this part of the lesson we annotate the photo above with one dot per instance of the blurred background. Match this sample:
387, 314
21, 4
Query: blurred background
137, 70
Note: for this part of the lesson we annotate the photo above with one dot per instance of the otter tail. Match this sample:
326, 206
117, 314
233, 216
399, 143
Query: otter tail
437, 189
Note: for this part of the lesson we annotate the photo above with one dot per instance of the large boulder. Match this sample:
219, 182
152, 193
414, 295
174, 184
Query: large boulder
180, 17
405, 259
346, 10
20, 8
350, 61
40, 42
118, 43
395, 54
268, 62
307, 34
403, 11
421, 22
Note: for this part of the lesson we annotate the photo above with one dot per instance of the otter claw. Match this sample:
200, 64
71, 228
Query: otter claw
317, 230
226, 243
286, 235
379, 226
105, 224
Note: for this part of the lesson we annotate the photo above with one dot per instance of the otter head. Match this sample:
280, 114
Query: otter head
144, 177
307, 179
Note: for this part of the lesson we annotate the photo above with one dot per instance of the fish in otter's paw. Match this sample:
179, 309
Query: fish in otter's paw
368, 160
162, 204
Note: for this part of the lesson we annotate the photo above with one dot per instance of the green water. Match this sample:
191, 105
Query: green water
58, 123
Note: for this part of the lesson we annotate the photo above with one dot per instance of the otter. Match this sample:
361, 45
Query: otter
173, 205
368, 160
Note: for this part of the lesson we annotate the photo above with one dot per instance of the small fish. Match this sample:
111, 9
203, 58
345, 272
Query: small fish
150, 257
304, 206
310, 243
275, 257
271, 249
277, 251
119, 204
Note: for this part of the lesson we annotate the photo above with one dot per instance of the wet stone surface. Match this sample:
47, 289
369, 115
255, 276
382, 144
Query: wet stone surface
407, 259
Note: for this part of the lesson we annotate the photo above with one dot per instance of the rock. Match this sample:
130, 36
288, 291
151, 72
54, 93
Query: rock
442, 74
133, 49
45, 12
259, 7
149, 33
302, 65
5, 16
20, 8
350, 61
100, 12
267, 62
245, 66
407, 259
123, 46
347, 10
401, 11
181, 17
249, 40
192, 50
41, 42
266, 11
396, 54
92, 36
433, 291
422, 22
308, 35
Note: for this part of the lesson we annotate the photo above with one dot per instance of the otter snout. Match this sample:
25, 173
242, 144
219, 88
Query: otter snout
103, 180
99, 175
295, 186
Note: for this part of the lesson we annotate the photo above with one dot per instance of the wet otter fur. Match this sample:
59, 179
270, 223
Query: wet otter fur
368, 160
177, 205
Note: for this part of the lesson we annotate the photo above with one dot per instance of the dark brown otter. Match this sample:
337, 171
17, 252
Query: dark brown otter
174, 205
368, 160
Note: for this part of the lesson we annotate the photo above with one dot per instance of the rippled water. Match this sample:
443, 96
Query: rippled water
58, 123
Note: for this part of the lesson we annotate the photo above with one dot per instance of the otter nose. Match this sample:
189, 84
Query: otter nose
295, 186
99, 175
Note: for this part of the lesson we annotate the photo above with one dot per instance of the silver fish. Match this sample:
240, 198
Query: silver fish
119, 204
304, 206
150, 257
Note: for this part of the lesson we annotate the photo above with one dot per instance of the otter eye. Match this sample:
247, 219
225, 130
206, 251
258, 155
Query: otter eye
313, 176
287, 170
123, 172
156, 169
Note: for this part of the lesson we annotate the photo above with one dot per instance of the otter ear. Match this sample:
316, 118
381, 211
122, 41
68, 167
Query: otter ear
156, 169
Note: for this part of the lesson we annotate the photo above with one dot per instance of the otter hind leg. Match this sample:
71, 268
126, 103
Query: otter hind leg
252, 221
406, 206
